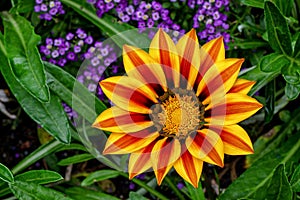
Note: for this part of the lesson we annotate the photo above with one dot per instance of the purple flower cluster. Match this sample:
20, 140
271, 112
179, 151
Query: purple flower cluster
48, 9
61, 50
98, 58
140, 14
210, 18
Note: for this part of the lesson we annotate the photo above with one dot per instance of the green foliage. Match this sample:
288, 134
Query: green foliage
295, 180
5, 174
76, 159
99, 176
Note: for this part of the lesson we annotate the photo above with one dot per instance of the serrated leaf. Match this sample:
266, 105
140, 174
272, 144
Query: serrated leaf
117, 31
273, 62
79, 193
25, 61
292, 91
50, 115
82, 101
5, 174
99, 176
75, 159
279, 35
253, 182
295, 180
136, 196
253, 3
39, 176
279, 187
31, 191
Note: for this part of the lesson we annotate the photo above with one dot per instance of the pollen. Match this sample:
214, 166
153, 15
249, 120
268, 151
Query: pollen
178, 115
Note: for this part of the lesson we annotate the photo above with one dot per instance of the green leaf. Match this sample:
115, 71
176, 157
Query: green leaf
292, 91
196, 193
50, 115
117, 31
297, 48
81, 100
5, 174
4, 189
247, 44
23, 6
291, 73
99, 176
261, 78
31, 191
269, 107
253, 182
25, 61
79, 193
273, 62
39, 176
279, 187
76, 159
295, 180
285, 6
136, 196
254, 3
278, 31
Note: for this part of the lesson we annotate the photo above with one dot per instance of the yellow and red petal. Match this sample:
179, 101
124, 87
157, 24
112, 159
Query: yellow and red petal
164, 154
123, 143
189, 167
235, 108
207, 146
129, 93
219, 79
164, 51
242, 86
118, 120
140, 161
137, 63
235, 139
188, 50
214, 49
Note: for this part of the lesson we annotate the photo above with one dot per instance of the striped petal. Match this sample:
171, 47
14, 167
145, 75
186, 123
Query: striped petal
117, 120
140, 161
242, 86
164, 154
122, 143
207, 146
218, 81
129, 93
137, 63
235, 139
164, 51
188, 49
189, 167
211, 52
235, 108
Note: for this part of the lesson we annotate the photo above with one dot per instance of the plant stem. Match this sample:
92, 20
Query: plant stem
174, 188
147, 187
39, 153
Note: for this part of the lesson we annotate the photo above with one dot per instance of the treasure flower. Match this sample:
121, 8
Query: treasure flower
178, 106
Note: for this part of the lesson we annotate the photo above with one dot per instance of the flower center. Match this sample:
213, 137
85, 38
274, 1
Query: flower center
179, 114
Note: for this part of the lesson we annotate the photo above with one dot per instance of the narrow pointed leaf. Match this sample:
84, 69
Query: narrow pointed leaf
109, 25
21, 46
39, 176
76, 159
278, 31
50, 115
31, 191
99, 176
73, 93
5, 174
253, 3
79, 193
136, 196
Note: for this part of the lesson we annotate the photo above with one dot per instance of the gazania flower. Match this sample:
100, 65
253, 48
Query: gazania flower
178, 106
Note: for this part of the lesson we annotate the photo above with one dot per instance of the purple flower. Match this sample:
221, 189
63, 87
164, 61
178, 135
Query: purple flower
53, 11
44, 7
38, 1
95, 61
81, 34
37, 8
89, 40
180, 185
71, 56
77, 49
55, 54
69, 36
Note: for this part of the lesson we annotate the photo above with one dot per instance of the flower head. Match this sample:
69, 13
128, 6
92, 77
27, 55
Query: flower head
178, 106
